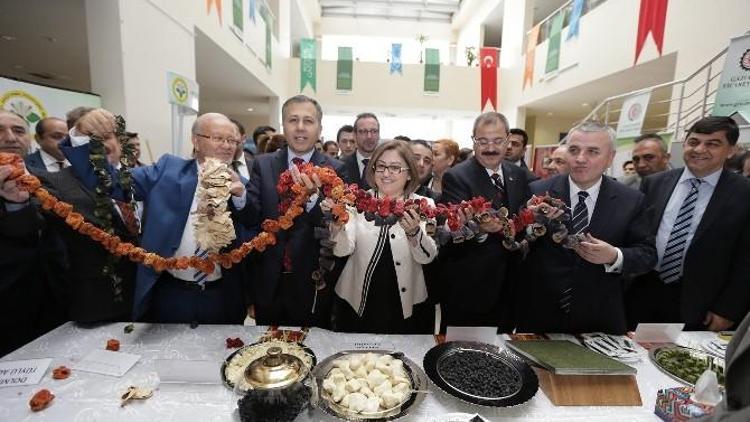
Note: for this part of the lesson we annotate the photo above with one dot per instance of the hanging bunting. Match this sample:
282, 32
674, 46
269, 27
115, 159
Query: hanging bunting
216, 3
251, 10
307, 63
575, 19
553, 46
396, 59
528, 72
652, 18
238, 18
432, 70
344, 69
488, 60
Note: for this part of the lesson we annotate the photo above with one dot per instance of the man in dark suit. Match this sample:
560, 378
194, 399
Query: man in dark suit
284, 292
367, 137
49, 132
168, 191
30, 259
580, 290
475, 274
701, 217
518, 141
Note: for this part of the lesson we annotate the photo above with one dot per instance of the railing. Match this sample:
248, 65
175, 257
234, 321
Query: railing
694, 96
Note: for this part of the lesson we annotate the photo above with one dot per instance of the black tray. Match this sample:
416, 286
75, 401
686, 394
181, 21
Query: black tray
528, 386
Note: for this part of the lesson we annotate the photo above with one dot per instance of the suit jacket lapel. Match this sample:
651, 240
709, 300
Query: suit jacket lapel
279, 164
318, 159
484, 186
513, 187
603, 209
188, 184
720, 197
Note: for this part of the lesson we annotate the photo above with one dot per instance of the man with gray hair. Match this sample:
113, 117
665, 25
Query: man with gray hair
580, 290
475, 274
169, 192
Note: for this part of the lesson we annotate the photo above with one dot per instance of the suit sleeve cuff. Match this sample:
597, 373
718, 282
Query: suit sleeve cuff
15, 206
239, 201
311, 202
615, 267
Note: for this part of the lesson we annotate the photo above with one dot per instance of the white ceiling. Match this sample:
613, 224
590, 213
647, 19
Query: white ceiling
413, 10
45, 42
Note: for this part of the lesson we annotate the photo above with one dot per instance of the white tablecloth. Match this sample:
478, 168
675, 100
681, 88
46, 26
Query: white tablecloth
91, 397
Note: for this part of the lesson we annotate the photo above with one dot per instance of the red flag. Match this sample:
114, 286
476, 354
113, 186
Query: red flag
652, 18
488, 62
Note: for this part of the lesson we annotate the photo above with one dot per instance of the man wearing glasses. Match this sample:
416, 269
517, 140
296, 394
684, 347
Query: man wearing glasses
367, 137
168, 191
477, 289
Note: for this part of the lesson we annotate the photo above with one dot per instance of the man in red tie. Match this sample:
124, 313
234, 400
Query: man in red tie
284, 292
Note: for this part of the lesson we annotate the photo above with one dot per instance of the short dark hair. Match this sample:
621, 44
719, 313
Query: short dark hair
625, 164
326, 143
299, 99
39, 129
72, 117
402, 138
261, 130
421, 142
239, 126
366, 115
648, 136
524, 135
713, 124
342, 129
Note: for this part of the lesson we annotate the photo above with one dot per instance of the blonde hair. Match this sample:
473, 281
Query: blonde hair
451, 148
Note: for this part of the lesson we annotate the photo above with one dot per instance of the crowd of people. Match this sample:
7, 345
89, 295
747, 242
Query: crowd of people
660, 244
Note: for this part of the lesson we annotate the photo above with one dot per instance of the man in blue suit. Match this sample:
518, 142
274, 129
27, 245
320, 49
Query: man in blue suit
284, 292
168, 190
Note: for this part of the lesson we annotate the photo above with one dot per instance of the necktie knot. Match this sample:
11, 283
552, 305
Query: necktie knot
582, 195
298, 161
365, 161
695, 183
60, 164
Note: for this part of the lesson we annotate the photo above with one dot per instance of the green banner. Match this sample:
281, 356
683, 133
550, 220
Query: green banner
269, 26
344, 68
238, 18
553, 46
307, 63
432, 70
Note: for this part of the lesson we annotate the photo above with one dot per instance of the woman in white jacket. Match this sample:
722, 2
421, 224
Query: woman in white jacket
382, 287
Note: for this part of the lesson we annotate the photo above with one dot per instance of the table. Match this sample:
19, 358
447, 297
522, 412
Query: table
92, 397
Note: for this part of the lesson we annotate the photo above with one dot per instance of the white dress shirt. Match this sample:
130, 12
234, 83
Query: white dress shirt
51, 163
680, 192
498, 170
360, 164
593, 192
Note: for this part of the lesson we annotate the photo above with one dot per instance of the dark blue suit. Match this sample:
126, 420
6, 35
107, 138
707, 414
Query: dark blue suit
287, 302
167, 189
35, 161
560, 291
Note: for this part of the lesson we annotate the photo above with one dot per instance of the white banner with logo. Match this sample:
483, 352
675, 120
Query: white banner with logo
182, 91
35, 102
632, 115
733, 93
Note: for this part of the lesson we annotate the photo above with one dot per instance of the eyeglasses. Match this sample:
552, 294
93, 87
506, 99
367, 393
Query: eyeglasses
484, 141
220, 140
393, 168
368, 131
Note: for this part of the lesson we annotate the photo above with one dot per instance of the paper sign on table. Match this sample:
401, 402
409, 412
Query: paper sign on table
107, 362
188, 371
479, 334
23, 372
658, 333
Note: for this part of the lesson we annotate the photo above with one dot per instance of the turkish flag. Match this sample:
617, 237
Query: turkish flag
652, 18
488, 62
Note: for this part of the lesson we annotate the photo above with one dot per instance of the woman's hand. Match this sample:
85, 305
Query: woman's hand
410, 222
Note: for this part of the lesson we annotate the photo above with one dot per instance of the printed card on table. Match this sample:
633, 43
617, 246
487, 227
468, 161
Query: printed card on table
23, 372
107, 362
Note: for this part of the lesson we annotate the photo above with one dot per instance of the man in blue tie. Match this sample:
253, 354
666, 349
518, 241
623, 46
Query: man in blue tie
701, 217
286, 288
580, 290
168, 190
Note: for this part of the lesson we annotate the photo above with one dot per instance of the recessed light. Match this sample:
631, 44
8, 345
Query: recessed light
249, 109
584, 104
549, 113
8, 38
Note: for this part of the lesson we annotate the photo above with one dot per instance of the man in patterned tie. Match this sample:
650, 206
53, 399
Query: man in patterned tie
702, 225
580, 289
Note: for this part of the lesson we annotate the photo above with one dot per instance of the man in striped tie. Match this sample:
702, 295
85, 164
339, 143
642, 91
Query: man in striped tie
580, 290
702, 225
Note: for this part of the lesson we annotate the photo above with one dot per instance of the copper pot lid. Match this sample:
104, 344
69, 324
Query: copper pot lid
275, 370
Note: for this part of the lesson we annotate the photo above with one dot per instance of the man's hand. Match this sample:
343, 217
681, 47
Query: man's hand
596, 251
98, 122
716, 323
236, 188
311, 184
492, 226
9, 189
545, 209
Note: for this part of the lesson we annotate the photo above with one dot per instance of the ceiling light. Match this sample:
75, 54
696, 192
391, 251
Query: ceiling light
8, 38
549, 113
249, 109
584, 104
